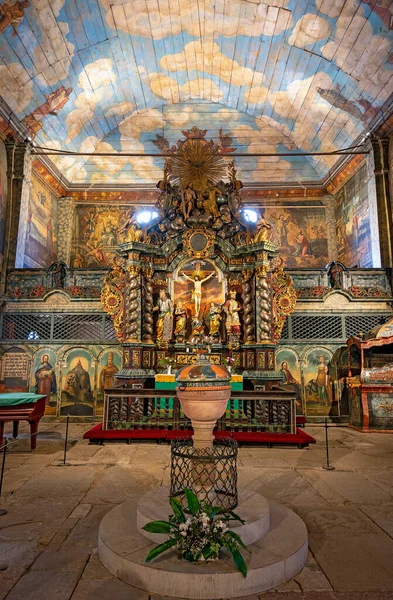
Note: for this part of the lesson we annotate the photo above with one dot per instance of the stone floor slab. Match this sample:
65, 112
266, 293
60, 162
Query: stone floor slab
58, 482
95, 569
84, 535
109, 589
340, 486
337, 520
382, 516
16, 554
44, 585
119, 483
64, 560
355, 563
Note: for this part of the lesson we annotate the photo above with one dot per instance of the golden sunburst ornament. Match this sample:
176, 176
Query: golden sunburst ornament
197, 162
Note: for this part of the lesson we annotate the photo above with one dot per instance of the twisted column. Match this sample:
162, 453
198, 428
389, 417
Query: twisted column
264, 329
148, 306
132, 304
249, 320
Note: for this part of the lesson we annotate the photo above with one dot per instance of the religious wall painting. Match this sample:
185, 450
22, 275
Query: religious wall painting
15, 369
43, 378
318, 385
199, 299
41, 237
77, 383
353, 227
301, 234
287, 364
3, 198
98, 230
109, 363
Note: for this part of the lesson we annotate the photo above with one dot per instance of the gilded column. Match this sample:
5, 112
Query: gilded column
132, 304
248, 308
147, 326
264, 308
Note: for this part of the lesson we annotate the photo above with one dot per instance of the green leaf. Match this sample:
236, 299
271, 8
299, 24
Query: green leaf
160, 549
177, 508
158, 527
236, 517
192, 502
237, 538
239, 562
208, 552
217, 510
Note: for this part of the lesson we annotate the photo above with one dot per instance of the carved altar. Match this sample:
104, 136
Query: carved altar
199, 273
370, 370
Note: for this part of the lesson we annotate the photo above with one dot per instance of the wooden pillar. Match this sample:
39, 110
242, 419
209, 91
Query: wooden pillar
384, 201
66, 211
18, 189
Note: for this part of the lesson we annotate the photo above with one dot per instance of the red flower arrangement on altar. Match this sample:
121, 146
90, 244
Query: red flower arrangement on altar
75, 290
37, 291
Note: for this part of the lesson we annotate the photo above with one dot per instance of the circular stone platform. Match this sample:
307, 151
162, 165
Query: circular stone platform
271, 561
252, 508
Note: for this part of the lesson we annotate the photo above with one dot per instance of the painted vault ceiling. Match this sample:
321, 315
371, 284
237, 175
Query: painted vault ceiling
277, 76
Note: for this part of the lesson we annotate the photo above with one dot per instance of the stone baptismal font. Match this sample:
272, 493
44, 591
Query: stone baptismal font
275, 536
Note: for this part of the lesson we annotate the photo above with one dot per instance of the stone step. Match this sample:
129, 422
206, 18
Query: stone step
278, 557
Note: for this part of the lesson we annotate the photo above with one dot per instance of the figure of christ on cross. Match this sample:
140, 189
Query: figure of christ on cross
197, 292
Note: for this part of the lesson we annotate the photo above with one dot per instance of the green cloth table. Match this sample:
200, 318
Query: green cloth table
15, 398
22, 406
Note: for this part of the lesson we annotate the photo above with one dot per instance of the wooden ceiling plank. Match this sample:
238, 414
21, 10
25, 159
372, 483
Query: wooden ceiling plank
145, 54
195, 73
244, 57
168, 43
121, 82
14, 48
229, 50
129, 58
219, 26
265, 50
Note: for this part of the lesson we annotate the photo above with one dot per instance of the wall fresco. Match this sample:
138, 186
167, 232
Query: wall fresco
3, 198
78, 384
97, 233
109, 364
317, 384
43, 378
15, 368
301, 234
353, 221
41, 237
287, 362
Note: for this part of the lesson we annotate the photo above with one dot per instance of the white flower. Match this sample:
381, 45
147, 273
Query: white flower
183, 533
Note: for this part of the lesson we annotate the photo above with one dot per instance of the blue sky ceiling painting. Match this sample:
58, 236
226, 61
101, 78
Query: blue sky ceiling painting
108, 75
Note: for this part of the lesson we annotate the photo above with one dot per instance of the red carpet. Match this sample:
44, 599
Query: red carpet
300, 438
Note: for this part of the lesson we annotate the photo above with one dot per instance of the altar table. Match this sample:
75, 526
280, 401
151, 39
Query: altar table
22, 406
